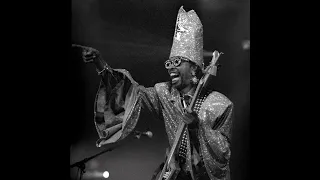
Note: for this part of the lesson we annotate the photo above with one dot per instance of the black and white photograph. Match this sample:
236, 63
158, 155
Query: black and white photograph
161, 90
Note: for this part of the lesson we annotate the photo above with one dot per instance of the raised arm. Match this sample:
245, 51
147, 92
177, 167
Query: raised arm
119, 100
90, 55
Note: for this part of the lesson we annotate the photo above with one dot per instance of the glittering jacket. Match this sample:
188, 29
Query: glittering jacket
120, 100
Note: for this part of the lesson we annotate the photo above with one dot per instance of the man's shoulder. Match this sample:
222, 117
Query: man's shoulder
162, 86
217, 98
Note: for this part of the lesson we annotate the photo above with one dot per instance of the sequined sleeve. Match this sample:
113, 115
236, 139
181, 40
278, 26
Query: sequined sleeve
118, 105
214, 135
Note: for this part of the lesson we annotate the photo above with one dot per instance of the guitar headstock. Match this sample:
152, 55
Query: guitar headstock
212, 68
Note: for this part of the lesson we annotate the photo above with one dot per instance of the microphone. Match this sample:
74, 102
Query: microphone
138, 134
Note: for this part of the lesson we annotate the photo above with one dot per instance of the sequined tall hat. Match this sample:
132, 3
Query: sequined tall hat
188, 37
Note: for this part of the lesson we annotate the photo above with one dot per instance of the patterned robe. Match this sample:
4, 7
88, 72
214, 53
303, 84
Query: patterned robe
119, 102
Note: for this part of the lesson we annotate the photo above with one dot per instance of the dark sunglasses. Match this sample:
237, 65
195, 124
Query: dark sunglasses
175, 62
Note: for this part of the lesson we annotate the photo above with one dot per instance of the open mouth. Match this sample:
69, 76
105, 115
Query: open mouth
174, 77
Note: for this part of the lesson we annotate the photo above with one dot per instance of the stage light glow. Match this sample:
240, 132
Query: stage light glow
105, 174
246, 44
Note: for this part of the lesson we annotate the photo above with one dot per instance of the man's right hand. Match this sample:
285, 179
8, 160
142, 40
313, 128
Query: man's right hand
88, 53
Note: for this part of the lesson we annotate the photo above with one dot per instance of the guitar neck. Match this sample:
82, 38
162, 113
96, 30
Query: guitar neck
209, 73
183, 126
178, 136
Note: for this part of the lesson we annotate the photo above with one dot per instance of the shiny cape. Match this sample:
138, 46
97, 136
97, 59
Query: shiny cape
119, 102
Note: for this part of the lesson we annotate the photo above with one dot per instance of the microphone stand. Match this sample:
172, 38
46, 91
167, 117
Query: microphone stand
81, 164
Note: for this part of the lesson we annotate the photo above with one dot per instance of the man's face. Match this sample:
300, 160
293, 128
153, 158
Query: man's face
181, 75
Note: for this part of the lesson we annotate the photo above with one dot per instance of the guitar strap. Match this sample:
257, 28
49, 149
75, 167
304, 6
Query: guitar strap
194, 141
193, 130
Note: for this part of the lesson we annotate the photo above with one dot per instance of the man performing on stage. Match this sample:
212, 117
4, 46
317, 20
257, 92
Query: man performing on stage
204, 153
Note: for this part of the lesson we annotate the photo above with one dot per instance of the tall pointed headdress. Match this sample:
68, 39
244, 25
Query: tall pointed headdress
188, 37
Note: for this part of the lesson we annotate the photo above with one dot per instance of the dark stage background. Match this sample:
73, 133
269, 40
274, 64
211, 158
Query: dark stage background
136, 35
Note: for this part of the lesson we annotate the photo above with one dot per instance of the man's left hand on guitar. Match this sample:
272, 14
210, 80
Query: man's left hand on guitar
190, 117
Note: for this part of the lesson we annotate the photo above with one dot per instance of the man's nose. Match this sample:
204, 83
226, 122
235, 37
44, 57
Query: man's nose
171, 66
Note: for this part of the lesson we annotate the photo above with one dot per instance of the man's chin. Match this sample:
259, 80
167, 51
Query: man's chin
176, 85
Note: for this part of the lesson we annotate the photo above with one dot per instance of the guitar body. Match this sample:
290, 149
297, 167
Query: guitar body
171, 173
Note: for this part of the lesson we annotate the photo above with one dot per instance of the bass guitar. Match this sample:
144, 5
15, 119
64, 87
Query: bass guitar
170, 173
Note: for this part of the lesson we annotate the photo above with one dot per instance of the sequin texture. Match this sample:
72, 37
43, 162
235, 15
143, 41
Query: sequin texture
188, 37
127, 99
